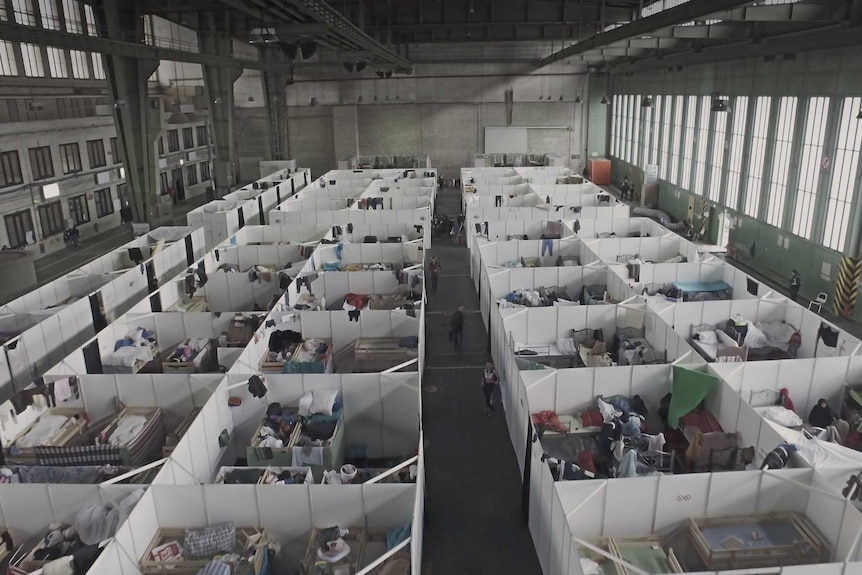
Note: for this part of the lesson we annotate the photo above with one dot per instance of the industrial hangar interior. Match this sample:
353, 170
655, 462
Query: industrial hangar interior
274, 297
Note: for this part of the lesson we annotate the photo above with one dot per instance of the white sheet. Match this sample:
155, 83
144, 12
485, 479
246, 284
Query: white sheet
44, 429
128, 355
127, 429
780, 415
769, 334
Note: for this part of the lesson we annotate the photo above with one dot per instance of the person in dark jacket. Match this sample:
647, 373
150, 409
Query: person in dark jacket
456, 328
821, 414
795, 285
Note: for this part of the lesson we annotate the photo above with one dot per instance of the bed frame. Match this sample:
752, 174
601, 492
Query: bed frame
333, 451
730, 354
139, 364
357, 537
190, 305
812, 548
278, 366
191, 366
133, 454
67, 436
376, 354
193, 566
306, 471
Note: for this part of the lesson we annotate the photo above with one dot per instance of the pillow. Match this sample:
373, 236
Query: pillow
708, 337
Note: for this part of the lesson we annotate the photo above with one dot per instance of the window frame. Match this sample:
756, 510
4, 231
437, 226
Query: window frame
11, 217
104, 202
844, 176
188, 138
173, 138
783, 137
47, 229
14, 167
97, 146
38, 160
79, 210
191, 175
736, 140
202, 135
75, 155
810, 172
759, 137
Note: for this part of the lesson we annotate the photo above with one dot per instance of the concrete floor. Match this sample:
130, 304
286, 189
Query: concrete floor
473, 516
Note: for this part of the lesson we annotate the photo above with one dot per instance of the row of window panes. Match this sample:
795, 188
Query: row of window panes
173, 139
31, 57
18, 224
25, 110
42, 163
683, 129
24, 12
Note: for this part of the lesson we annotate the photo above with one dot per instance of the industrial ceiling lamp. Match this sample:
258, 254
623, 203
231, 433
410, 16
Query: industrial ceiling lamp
578, 99
605, 101
380, 74
349, 67
719, 104
388, 73
646, 102
360, 65
314, 103
308, 49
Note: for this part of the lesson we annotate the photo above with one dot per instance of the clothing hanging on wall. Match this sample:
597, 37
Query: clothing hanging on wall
828, 336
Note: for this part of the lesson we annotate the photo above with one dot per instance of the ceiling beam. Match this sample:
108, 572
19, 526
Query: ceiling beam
820, 39
693, 10
18, 33
799, 11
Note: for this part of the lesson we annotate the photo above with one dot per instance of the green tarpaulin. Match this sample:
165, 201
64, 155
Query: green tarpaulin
689, 389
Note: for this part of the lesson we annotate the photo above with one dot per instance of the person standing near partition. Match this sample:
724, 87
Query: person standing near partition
795, 285
490, 380
434, 268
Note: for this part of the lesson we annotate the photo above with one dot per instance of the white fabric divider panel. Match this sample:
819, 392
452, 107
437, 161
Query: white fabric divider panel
776, 494
584, 505
680, 497
30, 508
828, 515
381, 411
419, 216
417, 528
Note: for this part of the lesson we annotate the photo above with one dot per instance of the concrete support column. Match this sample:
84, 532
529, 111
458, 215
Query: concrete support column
136, 115
218, 83
274, 84
597, 117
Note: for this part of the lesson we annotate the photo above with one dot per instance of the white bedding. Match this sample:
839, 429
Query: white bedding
780, 415
44, 429
128, 355
769, 334
127, 429
721, 339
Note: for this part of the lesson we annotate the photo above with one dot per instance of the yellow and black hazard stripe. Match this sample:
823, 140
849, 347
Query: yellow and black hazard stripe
847, 287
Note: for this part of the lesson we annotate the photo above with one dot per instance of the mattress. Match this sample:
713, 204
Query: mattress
780, 415
46, 427
127, 429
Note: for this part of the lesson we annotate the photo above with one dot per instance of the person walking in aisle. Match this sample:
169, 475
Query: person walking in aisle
456, 328
795, 284
434, 268
490, 379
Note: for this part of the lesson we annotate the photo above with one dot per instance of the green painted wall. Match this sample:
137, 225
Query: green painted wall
836, 73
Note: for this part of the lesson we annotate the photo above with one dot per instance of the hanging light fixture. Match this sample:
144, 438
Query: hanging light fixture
646, 102
314, 103
578, 99
719, 105
605, 100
